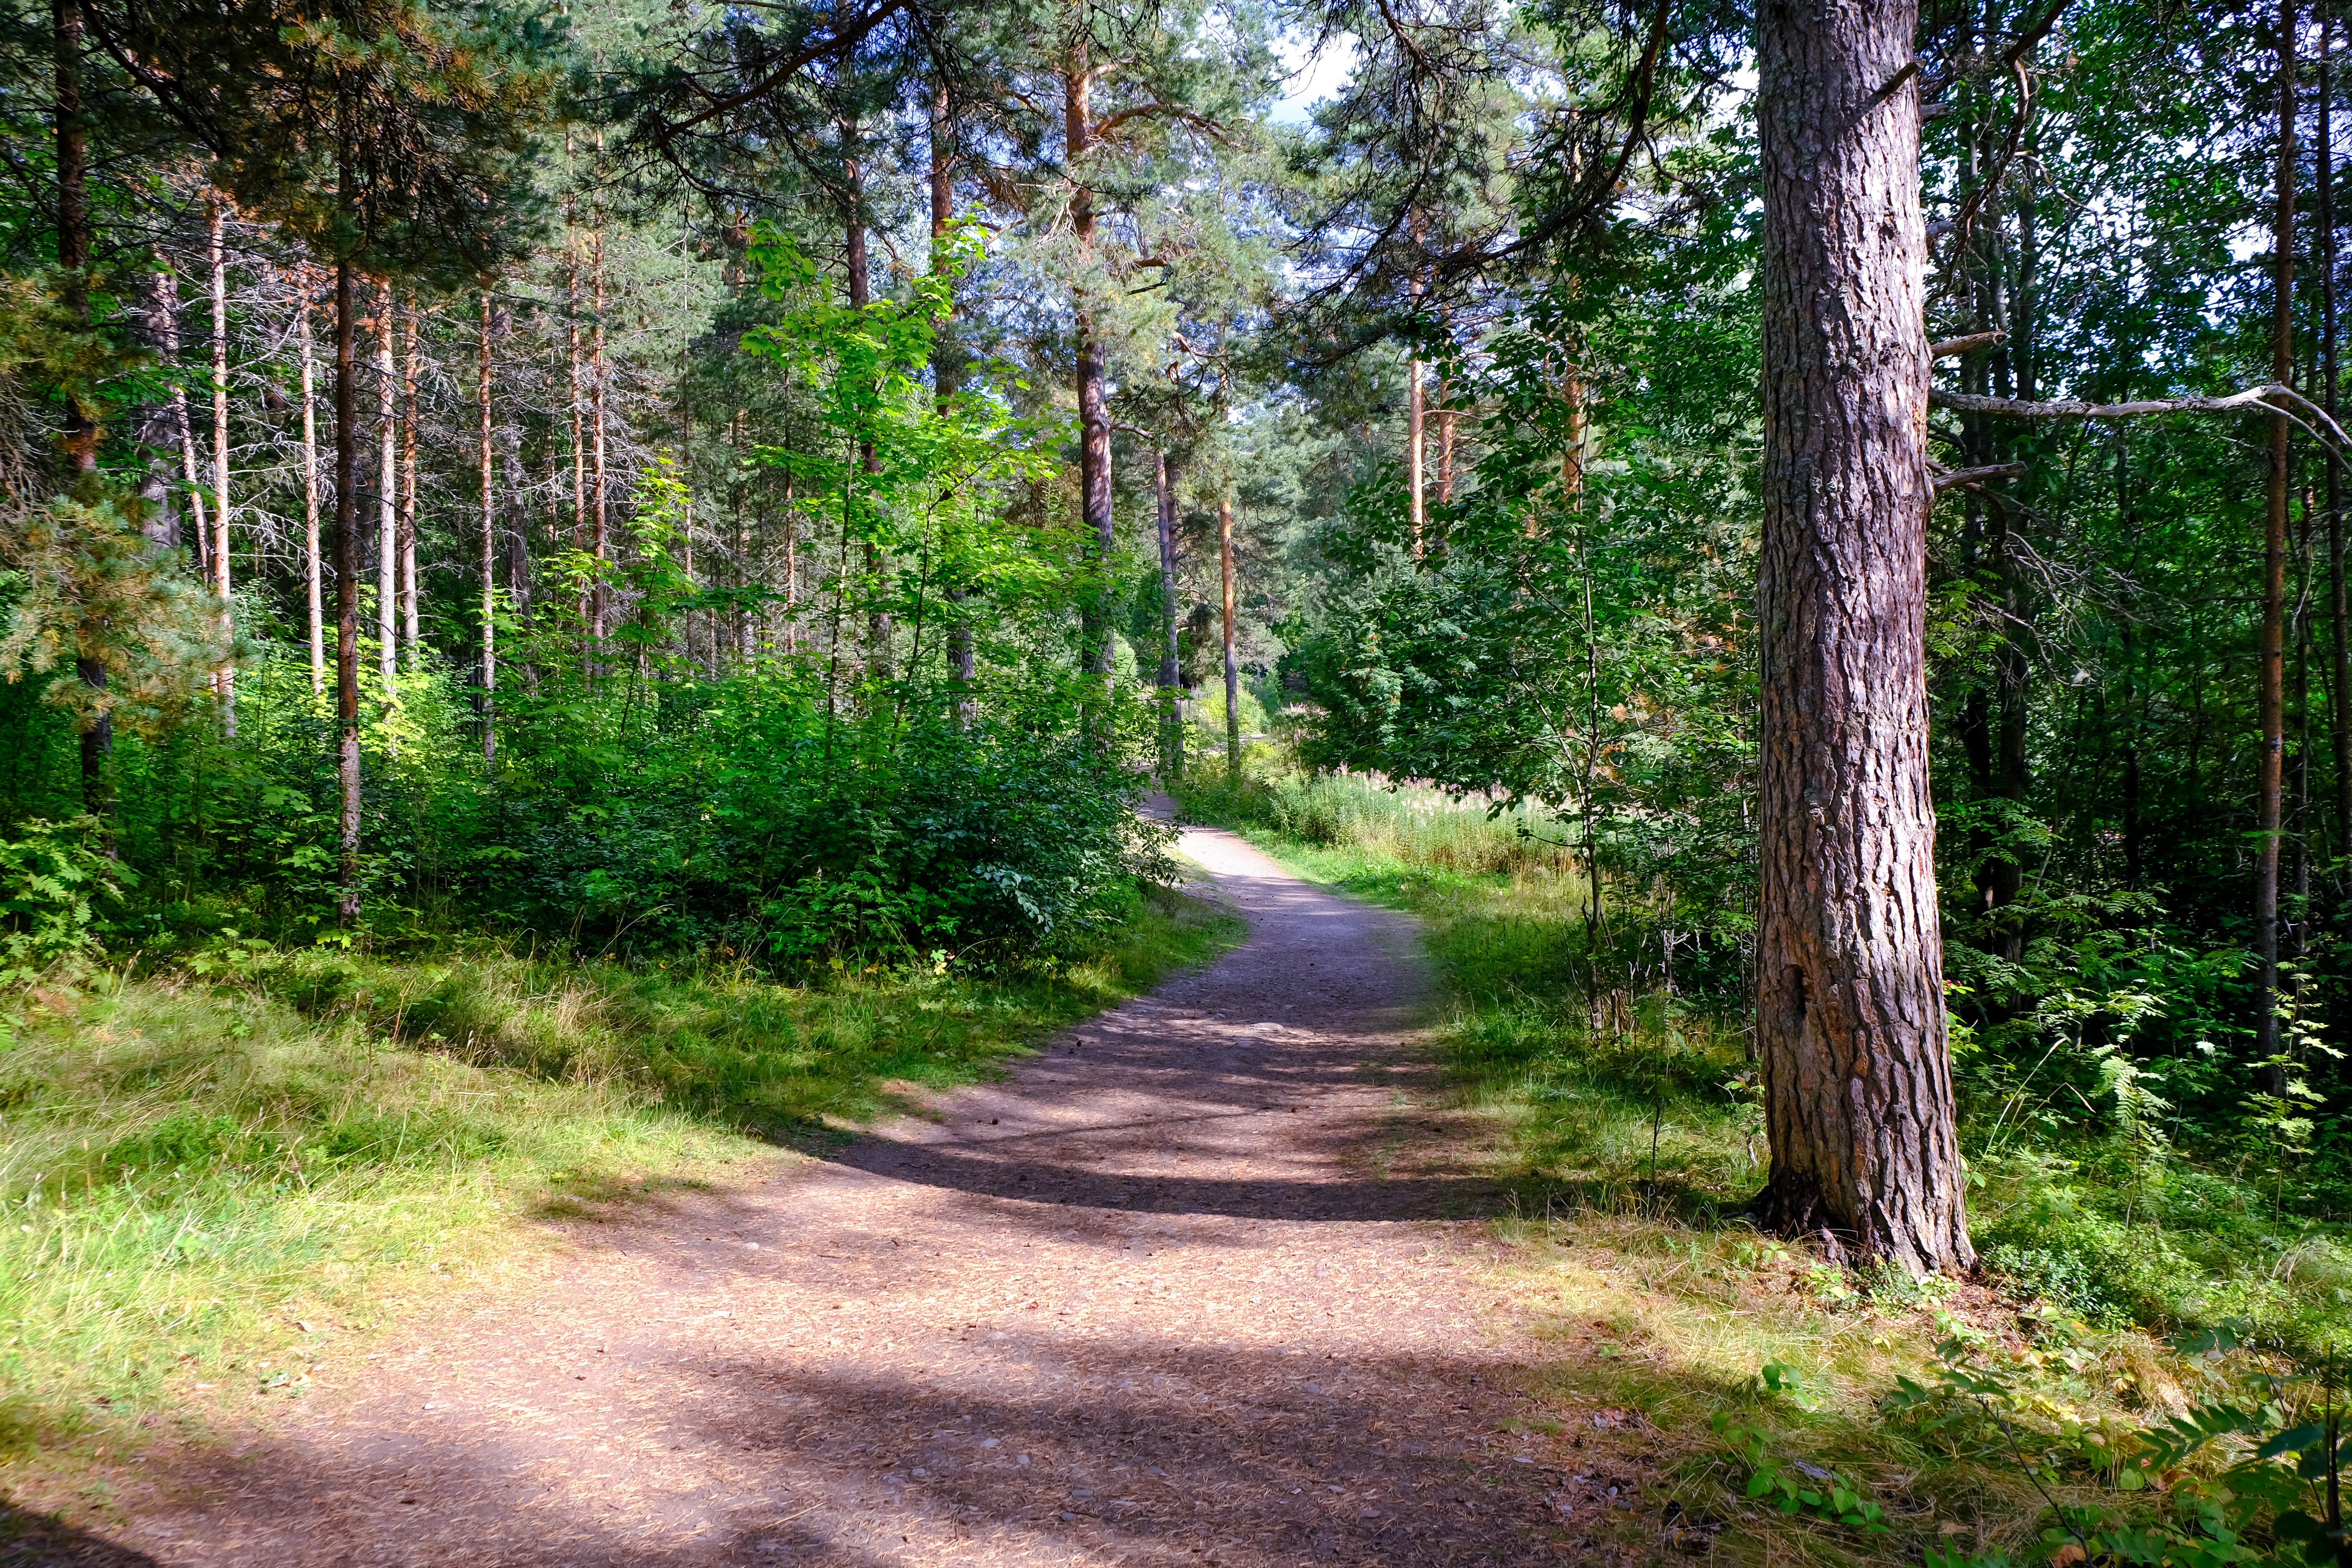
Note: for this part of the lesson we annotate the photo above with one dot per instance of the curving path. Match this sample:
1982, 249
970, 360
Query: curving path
1195, 1285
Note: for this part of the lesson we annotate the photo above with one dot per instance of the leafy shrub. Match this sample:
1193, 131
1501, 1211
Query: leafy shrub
52, 876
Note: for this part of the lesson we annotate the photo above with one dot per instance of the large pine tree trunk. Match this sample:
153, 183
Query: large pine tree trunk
1850, 996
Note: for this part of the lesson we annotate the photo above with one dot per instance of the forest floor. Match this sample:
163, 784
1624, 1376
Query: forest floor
1207, 1280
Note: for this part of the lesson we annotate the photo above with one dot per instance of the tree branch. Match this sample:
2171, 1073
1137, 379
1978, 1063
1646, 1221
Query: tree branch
1972, 478
1967, 345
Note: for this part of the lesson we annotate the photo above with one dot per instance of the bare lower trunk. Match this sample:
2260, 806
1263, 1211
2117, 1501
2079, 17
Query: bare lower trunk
1850, 1004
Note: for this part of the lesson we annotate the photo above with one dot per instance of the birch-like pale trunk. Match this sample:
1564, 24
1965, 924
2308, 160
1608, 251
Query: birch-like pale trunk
387, 566
311, 565
217, 256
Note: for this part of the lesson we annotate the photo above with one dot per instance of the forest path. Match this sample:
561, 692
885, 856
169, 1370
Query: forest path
1201, 1283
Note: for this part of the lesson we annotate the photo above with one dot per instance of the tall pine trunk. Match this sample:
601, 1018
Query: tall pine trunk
1171, 676
1233, 669
1094, 410
489, 550
346, 544
947, 361
216, 257
311, 488
2272, 675
2340, 636
96, 739
412, 631
1850, 995
387, 475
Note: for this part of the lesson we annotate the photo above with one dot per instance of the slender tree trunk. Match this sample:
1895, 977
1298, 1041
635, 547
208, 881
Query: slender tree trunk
603, 547
2339, 633
1094, 410
156, 426
2271, 677
947, 363
571, 363
387, 474
1416, 418
489, 550
80, 442
1232, 669
347, 527
412, 632
310, 489
216, 256
2135, 828
1850, 1005
1172, 674
1446, 417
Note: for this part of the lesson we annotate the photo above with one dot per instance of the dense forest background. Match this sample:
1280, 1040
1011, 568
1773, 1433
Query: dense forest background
773, 485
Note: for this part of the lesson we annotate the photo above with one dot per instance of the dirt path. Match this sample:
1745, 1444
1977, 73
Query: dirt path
1193, 1285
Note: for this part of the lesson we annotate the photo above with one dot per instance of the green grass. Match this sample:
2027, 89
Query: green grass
208, 1178
1638, 1140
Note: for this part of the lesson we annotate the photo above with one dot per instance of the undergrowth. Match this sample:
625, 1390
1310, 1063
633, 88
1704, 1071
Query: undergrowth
215, 1173
1785, 1409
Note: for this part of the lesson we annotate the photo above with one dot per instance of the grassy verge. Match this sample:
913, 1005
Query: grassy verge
207, 1176
1738, 1376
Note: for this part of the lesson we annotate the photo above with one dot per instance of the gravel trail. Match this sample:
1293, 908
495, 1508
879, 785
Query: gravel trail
1201, 1283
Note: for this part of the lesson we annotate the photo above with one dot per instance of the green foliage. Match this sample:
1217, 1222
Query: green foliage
1796, 1486
55, 879
251, 1136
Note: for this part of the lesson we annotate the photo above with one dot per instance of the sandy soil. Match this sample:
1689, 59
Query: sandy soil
1203, 1283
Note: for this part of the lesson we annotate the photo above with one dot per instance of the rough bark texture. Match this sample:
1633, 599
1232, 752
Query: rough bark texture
1850, 1004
